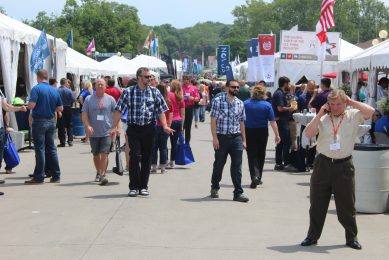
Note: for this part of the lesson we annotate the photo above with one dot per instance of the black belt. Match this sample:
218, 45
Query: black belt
335, 160
230, 135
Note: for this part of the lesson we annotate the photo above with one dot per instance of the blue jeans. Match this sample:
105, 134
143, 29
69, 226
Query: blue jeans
234, 148
282, 149
196, 113
160, 143
177, 127
202, 113
43, 131
2, 142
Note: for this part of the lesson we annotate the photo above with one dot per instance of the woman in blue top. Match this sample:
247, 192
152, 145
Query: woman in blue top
86, 91
258, 115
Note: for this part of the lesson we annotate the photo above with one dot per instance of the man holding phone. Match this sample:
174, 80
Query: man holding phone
319, 99
333, 170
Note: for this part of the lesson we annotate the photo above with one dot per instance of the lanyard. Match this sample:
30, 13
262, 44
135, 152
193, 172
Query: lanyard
335, 130
100, 103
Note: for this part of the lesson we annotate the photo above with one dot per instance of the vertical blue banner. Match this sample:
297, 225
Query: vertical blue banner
223, 59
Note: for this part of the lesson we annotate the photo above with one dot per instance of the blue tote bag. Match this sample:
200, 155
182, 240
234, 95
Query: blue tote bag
11, 156
184, 153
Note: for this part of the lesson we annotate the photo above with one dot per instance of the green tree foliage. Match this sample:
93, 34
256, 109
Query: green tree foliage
2, 10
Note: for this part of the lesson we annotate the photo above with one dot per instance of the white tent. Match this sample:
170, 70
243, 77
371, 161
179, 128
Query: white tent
149, 62
81, 65
12, 35
296, 69
120, 64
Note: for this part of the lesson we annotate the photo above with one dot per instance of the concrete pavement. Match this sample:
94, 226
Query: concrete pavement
78, 219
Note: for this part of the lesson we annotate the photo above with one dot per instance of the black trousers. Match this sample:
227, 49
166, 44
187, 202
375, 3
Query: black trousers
188, 123
140, 142
256, 141
337, 178
65, 125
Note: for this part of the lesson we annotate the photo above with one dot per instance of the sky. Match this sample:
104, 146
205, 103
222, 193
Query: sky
179, 13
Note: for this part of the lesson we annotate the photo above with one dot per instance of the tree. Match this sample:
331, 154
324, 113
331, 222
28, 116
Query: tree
2, 10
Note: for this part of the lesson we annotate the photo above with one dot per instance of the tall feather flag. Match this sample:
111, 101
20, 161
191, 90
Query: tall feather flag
91, 47
148, 40
326, 21
154, 46
70, 39
40, 52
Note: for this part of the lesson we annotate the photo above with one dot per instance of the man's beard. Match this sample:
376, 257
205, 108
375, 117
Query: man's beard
233, 93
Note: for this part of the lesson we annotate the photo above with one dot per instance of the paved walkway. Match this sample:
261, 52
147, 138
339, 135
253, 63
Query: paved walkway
78, 219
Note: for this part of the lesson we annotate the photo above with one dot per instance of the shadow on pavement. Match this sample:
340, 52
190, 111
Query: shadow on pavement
87, 183
205, 199
303, 184
232, 186
17, 178
111, 196
312, 249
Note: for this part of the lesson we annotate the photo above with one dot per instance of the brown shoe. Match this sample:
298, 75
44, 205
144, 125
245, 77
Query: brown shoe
32, 182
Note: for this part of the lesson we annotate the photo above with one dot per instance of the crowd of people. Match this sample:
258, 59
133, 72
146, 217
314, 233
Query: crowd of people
239, 120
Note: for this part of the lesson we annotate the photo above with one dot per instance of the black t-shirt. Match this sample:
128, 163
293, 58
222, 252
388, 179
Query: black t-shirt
279, 99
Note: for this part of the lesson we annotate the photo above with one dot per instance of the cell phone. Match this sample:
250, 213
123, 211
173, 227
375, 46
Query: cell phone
327, 110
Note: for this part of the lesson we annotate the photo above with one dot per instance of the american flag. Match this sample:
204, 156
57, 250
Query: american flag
327, 19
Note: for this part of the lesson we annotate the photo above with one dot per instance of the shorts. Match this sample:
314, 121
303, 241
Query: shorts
100, 144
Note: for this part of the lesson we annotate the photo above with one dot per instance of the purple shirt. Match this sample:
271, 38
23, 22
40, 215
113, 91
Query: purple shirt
320, 100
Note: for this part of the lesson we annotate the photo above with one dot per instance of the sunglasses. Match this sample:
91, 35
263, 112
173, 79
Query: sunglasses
147, 76
234, 87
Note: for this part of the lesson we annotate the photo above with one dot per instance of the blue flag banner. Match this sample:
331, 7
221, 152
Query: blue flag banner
229, 73
70, 39
223, 59
40, 52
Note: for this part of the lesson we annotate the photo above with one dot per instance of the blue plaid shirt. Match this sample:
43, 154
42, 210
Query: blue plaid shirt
228, 114
143, 105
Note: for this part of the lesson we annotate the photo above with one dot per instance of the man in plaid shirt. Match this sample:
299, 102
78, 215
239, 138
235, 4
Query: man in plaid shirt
229, 138
144, 103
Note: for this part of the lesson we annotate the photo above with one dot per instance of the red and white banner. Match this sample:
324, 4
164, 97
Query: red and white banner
266, 50
326, 21
91, 47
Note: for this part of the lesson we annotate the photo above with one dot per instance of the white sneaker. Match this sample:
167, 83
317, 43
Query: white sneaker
163, 169
170, 165
133, 193
153, 168
144, 192
97, 178
103, 180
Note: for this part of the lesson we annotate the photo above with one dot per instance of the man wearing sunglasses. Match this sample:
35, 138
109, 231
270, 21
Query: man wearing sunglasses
229, 138
143, 103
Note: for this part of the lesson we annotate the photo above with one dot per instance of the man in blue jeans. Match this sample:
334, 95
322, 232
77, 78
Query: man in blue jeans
44, 102
281, 111
229, 138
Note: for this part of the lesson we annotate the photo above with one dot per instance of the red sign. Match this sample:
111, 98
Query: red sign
289, 56
266, 44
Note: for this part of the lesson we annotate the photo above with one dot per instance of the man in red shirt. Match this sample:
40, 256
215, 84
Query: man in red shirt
191, 96
112, 91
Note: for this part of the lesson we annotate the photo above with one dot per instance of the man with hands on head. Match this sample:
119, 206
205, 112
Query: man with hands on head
333, 170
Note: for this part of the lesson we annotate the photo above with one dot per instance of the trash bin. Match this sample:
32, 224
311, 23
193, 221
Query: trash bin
371, 163
78, 127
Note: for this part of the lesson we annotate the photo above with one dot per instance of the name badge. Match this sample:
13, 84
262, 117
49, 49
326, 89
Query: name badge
335, 147
100, 117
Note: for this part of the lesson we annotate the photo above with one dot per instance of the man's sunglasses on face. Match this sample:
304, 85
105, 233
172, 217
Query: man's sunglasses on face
147, 76
234, 87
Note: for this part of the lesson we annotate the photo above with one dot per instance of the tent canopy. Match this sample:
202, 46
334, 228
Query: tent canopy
80, 64
148, 62
120, 64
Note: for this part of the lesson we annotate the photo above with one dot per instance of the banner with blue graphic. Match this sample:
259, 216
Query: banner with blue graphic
223, 59
40, 52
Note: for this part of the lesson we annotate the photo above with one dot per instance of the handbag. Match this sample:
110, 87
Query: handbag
11, 156
118, 169
184, 153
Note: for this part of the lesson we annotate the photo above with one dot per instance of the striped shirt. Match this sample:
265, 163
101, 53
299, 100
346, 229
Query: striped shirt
143, 105
228, 114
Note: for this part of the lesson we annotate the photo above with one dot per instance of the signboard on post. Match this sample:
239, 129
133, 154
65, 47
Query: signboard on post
266, 57
223, 59
301, 45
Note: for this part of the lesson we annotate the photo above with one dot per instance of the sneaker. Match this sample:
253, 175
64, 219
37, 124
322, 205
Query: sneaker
278, 167
8, 171
214, 193
57, 180
163, 169
1, 193
153, 168
133, 193
290, 168
97, 178
61, 145
170, 165
241, 198
32, 182
103, 180
144, 192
